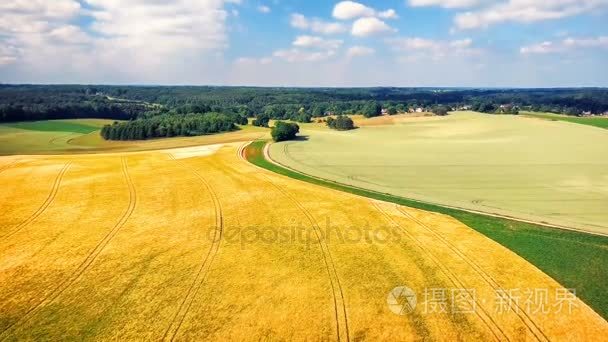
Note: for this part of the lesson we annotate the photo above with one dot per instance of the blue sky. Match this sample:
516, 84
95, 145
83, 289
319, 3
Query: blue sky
472, 43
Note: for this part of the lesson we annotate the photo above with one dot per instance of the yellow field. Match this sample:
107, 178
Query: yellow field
197, 244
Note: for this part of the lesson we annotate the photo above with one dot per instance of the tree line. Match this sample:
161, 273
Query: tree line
170, 125
42, 102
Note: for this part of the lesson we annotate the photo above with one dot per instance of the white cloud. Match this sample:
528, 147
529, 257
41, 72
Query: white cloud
568, 44
70, 34
346, 10
444, 3
316, 25
264, 9
136, 40
299, 21
8, 53
525, 11
435, 49
297, 55
544, 47
317, 42
388, 14
365, 27
359, 51
601, 41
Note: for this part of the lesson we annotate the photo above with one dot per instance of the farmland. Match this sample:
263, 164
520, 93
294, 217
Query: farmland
82, 136
601, 122
539, 170
195, 243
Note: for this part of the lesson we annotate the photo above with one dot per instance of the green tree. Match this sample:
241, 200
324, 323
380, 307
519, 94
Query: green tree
284, 131
371, 109
341, 123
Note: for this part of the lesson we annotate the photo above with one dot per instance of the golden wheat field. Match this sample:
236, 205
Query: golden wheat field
197, 244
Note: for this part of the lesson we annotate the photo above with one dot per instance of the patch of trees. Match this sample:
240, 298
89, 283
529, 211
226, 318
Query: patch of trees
340, 123
167, 125
371, 109
441, 110
283, 131
261, 121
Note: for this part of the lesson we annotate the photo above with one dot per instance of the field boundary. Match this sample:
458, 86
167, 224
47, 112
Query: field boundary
527, 320
488, 320
538, 244
506, 217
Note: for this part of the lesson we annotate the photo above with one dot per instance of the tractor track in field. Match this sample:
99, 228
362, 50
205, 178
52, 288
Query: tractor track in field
337, 292
9, 165
488, 320
526, 320
47, 202
203, 271
57, 291
324, 250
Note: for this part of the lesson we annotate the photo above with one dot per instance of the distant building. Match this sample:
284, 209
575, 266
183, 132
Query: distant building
384, 111
419, 110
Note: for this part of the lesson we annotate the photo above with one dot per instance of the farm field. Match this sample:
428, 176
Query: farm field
601, 122
82, 136
195, 243
538, 170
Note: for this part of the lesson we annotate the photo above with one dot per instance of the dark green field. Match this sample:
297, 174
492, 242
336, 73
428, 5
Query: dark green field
57, 126
600, 122
576, 260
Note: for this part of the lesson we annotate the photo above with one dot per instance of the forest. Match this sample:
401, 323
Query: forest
166, 125
173, 104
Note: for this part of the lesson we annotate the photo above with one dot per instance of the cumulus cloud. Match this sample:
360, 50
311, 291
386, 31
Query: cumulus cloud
365, 27
525, 11
264, 9
317, 42
118, 36
434, 49
568, 44
359, 51
347, 10
315, 25
388, 14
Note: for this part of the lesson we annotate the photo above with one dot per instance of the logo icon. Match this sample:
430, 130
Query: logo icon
401, 300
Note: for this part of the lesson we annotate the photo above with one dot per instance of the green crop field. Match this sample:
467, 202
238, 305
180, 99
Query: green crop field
42, 137
82, 136
539, 170
601, 122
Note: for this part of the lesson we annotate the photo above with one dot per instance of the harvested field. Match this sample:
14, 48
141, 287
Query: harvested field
200, 245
